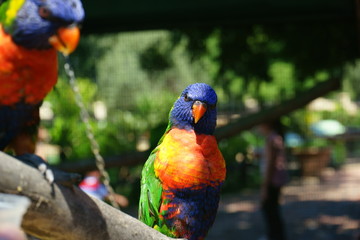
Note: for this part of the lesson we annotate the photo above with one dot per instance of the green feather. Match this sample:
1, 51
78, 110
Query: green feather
8, 12
150, 196
151, 190
3, 7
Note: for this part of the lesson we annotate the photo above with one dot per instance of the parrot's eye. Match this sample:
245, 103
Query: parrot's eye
44, 12
187, 98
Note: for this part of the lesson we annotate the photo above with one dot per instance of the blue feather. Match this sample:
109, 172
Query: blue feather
201, 203
181, 116
17, 119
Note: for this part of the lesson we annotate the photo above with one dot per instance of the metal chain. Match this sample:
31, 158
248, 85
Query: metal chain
85, 117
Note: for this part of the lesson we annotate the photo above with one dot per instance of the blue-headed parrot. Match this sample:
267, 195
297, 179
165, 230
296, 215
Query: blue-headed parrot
181, 180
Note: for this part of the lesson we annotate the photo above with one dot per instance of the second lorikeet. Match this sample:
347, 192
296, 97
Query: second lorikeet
31, 32
181, 180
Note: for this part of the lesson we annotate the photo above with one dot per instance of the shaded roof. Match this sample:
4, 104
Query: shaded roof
115, 15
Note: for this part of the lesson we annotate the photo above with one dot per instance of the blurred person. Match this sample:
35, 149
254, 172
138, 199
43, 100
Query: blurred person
10, 232
94, 187
273, 169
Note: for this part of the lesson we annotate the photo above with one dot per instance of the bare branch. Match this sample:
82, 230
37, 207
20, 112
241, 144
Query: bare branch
58, 212
300, 100
123, 160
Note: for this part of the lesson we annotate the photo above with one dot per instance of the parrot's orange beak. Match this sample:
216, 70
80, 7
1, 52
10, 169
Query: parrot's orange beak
198, 110
66, 39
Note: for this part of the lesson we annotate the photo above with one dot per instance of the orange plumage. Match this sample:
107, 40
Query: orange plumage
198, 155
25, 74
28, 62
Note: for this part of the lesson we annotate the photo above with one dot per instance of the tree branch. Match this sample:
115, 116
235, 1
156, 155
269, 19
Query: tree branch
300, 100
123, 160
58, 212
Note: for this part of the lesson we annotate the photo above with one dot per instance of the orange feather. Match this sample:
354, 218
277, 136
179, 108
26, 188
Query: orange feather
25, 74
189, 160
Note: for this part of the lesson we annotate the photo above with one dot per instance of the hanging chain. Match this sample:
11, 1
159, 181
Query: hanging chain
85, 117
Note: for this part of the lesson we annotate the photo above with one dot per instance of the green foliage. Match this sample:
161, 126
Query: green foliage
157, 57
271, 61
68, 131
352, 80
242, 170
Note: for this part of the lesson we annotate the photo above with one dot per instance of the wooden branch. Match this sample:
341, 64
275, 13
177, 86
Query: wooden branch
300, 100
58, 212
123, 160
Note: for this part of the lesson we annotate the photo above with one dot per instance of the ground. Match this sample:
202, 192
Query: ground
313, 209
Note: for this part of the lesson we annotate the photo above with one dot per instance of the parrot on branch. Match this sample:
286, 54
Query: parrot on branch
31, 33
181, 179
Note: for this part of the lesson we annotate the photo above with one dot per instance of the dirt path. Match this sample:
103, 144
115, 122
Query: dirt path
313, 210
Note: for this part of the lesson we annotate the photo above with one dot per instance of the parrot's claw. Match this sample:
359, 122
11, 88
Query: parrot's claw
42, 167
51, 174
47, 172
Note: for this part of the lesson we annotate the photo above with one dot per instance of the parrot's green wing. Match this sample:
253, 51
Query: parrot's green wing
150, 196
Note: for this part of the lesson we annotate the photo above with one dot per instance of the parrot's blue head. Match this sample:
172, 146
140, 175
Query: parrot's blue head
42, 24
195, 109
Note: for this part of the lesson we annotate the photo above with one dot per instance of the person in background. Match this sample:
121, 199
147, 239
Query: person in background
10, 232
273, 169
94, 187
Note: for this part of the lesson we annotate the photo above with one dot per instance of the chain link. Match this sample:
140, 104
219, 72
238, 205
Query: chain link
85, 117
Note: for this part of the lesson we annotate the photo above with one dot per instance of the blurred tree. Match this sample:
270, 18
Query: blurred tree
249, 50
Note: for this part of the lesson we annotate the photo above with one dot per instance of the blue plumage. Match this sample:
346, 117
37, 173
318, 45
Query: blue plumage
181, 115
16, 119
190, 201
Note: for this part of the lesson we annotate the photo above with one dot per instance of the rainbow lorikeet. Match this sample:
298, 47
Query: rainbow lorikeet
31, 32
181, 180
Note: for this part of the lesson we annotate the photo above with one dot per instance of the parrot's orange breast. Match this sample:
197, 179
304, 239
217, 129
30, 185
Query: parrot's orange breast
188, 160
25, 74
